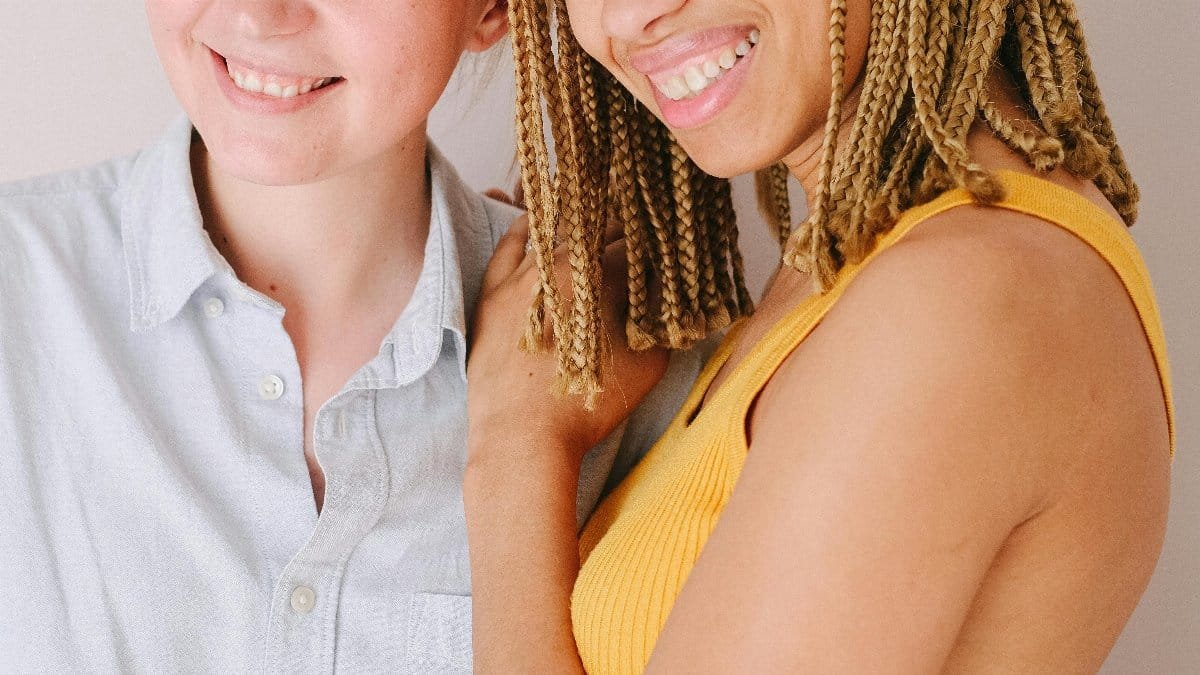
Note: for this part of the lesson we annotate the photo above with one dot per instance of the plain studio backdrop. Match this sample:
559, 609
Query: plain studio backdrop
84, 85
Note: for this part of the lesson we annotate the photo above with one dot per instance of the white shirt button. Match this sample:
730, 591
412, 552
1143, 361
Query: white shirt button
270, 387
213, 307
303, 599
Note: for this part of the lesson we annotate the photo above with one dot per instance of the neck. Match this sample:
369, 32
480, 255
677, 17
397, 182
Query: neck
343, 240
804, 162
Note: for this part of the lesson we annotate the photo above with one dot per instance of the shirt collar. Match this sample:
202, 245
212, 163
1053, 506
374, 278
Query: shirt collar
457, 249
168, 255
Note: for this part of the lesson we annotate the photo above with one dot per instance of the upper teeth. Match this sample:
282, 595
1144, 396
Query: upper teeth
272, 85
696, 78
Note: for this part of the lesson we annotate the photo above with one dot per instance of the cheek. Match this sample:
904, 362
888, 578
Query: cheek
170, 20
858, 36
158, 14
585, 25
402, 81
413, 50
170, 24
592, 40
419, 66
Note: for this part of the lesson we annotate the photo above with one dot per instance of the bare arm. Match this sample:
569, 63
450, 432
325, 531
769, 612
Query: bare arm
525, 448
889, 462
524, 554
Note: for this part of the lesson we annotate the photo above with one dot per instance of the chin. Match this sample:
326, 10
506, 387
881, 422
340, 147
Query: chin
263, 163
724, 160
269, 171
725, 167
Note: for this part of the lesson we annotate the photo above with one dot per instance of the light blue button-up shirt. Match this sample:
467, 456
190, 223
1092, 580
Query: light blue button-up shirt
156, 512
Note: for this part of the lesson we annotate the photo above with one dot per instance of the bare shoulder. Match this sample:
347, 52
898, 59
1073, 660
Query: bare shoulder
977, 417
996, 335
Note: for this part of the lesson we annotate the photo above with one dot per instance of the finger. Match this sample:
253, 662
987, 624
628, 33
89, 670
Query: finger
501, 196
613, 231
616, 278
509, 253
518, 194
616, 263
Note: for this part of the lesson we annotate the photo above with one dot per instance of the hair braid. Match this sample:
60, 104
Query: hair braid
722, 229
923, 87
928, 50
712, 304
985, 34
880, 101
1036, 60
1085, 156
651, 175
774, 204
638, 328
582, 179
1044, 152
531, 27
691, 323
1113, 178
948, 128
740, 303
813, 245
844, 176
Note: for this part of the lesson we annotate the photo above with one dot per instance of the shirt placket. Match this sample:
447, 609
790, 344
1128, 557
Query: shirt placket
304, 604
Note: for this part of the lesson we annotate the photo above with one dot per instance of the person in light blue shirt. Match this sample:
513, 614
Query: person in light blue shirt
232, 365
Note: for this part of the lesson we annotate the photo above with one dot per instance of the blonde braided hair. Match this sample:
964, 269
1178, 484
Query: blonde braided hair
923, 86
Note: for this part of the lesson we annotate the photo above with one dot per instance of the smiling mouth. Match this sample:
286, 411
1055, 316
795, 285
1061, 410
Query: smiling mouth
272, 84
691, 78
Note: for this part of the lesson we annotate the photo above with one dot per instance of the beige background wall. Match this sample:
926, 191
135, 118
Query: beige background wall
82, 84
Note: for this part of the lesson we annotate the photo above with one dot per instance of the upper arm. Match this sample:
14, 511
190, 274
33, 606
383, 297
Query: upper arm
889, 460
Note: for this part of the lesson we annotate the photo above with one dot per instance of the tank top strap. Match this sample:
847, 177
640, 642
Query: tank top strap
1025, 194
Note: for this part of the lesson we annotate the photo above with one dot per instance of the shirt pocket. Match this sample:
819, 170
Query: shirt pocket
439, 633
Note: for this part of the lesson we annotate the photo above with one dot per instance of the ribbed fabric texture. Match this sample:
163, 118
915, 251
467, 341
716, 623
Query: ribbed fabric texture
643, 540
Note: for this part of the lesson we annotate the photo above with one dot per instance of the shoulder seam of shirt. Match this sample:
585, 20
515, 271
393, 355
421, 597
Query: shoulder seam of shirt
61, 192
102, 177
72, 181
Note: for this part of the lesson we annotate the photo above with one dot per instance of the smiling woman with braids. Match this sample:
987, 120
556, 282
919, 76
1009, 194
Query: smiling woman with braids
943, 440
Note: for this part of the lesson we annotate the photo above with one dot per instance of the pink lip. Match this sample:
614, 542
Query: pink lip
674, 52
690, 113
261, 103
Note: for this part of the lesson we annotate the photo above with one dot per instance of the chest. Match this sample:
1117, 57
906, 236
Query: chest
164, 517
787, 291
331, 347
325, 368
643, 540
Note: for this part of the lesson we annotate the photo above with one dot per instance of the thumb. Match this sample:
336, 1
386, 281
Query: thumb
509, 253
502, 196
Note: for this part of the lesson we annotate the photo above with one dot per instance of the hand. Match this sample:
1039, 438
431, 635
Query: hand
510, 393
517, 198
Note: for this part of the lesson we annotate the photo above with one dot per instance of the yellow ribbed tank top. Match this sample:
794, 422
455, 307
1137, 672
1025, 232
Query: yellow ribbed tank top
644, 538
